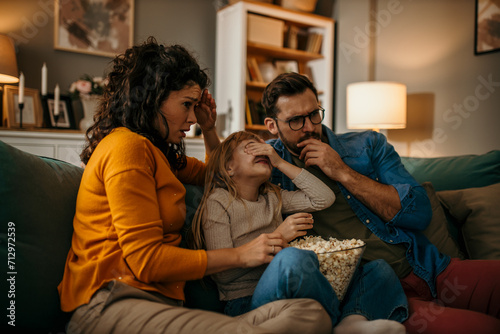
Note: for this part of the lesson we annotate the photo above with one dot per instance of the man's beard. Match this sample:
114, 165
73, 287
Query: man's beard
292, 147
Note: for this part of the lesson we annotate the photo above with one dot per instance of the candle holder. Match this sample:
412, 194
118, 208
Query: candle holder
21, 107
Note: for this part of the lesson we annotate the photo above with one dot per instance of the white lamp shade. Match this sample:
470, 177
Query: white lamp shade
376, 105
8, 62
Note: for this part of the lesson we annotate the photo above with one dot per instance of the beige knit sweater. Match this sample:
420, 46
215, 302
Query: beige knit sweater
231, 223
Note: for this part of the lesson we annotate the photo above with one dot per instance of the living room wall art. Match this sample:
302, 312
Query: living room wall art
32, 112
97, 27
487, 38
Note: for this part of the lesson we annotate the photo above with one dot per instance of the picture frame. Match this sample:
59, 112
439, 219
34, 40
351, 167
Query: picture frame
32, 116
98, 27
487, 21
66, 119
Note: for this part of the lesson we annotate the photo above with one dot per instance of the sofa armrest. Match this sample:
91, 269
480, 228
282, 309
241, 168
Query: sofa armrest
38, 204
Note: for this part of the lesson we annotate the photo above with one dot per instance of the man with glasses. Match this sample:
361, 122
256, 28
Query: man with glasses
378, 201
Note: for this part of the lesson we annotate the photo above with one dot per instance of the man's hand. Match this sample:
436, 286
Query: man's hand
382, 199
317, 153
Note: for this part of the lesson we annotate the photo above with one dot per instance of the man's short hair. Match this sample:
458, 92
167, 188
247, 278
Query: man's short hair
286, 84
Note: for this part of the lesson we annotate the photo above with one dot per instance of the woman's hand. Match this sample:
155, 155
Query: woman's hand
295, 226
261, 250
205, 111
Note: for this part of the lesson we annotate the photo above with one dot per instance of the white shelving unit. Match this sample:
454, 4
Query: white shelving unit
232, 49
67, 146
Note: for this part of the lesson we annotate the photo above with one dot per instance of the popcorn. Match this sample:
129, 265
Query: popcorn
338, 259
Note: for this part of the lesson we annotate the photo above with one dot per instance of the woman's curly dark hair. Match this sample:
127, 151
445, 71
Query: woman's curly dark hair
140, 80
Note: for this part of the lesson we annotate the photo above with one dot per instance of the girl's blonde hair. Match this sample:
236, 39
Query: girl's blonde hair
216, 176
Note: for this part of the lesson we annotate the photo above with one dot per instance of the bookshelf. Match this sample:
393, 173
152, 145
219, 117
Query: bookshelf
236, 48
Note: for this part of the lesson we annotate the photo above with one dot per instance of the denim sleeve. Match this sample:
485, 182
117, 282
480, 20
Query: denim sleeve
416, 212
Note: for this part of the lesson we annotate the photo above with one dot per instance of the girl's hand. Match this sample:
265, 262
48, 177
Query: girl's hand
260, 250
295, 226
261, 148
205, 111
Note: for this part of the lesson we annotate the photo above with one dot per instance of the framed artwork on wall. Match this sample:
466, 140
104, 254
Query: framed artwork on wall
98, 27
487, 34
32, 115
65, 119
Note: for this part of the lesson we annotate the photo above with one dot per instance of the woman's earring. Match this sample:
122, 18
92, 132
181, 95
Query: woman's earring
231, 173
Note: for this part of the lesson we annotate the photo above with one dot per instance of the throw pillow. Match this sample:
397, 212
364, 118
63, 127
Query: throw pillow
478, 209
437, 232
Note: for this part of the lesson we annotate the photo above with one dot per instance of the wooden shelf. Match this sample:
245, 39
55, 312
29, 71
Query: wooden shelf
285, 53
256, 85
256, 127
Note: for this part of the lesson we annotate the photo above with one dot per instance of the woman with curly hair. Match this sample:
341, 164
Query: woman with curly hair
125, 271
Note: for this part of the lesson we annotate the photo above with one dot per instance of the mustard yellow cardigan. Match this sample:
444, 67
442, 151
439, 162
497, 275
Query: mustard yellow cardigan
129, 212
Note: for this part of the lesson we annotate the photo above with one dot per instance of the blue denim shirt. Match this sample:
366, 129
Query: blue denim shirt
370, 154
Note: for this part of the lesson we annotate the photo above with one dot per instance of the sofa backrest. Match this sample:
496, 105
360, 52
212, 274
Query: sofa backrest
456, 172
38, 197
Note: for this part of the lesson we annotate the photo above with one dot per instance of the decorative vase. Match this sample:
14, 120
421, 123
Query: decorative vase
89, 104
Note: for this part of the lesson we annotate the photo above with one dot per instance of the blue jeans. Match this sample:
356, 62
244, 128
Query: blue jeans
375, 291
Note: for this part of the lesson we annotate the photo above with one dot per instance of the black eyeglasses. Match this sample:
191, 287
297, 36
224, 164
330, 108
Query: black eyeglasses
296, 123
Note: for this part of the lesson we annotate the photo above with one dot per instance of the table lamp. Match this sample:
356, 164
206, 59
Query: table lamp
376, 105
8, 62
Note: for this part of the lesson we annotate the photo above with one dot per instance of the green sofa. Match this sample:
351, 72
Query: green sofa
38, 201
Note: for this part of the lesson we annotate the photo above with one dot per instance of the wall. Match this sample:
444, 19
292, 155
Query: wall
31, 24
453, 95
426, 44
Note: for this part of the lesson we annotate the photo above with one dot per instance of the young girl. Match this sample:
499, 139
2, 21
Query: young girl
240, 204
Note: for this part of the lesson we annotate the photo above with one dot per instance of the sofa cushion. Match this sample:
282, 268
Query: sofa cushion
38, 204
457, 172
438, 230
200, 294
478, 212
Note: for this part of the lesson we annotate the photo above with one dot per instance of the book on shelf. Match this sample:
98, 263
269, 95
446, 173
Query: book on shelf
255, 113
248, 115
305, 39
291, 37
253, 69
314, 40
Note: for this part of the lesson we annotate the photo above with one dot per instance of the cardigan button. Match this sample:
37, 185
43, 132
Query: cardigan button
391, 241
368, 221
348, 196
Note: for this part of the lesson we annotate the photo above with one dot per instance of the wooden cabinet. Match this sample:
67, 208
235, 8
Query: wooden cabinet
233, 48
67, 145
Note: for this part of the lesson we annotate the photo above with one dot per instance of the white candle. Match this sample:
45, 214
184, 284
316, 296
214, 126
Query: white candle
56, 100
44, 80
21, 88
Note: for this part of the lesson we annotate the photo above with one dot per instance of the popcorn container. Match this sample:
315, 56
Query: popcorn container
339, 267
338, 259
